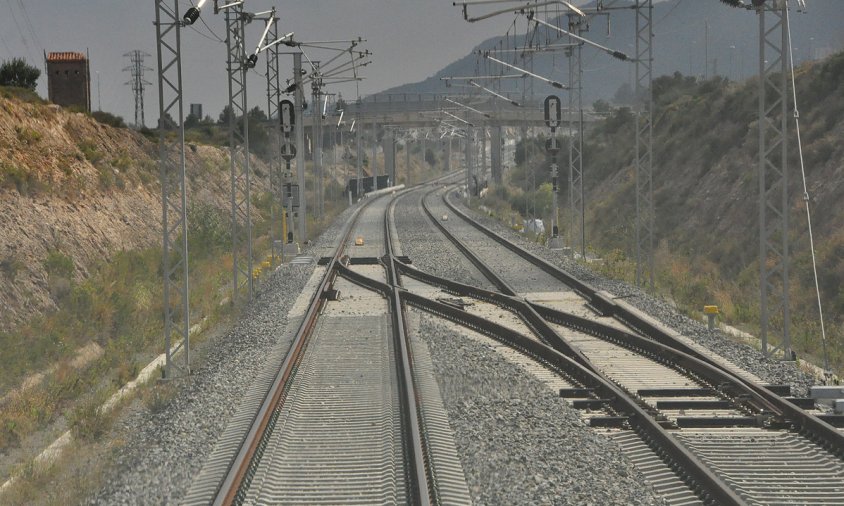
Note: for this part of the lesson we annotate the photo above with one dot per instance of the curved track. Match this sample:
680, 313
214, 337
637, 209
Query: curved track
676, 384
349, 418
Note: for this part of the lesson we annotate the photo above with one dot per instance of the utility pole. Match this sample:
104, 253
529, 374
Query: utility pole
483, 154
407, 155
448, 155
645, 213
374, 165
705, 50
171, 162
470, 146
495, 154
359, 154
137, 82
773, 174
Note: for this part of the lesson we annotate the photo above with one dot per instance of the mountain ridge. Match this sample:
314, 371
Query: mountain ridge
680, 29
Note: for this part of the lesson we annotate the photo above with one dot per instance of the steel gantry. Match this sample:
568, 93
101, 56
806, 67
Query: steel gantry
773, 176
645, 212
239, 153
171, 156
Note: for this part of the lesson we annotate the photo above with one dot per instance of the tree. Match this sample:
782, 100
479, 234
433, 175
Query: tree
256, 114
624, 95
225, 115
601, 106
429, 157
191, 121
18, 73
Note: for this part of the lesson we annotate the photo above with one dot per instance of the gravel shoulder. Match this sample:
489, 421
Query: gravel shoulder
164, 450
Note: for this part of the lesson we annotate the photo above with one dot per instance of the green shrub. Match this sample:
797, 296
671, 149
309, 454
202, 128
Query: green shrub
87, 421
22, 94
27, 136
17, 177
209, 228
90, 152
58, 264
105, 175
106, 118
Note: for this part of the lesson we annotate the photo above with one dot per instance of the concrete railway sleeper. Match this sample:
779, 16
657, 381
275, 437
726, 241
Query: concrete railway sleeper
407, 484
768, 411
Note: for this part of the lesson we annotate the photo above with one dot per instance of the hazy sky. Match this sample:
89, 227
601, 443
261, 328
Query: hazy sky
410, 39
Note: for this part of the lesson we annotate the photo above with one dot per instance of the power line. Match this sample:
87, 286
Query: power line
20, 31
29, 24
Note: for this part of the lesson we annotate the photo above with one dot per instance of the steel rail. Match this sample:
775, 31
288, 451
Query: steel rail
233, 486
416, 453
651, 428
707, 485
816, 429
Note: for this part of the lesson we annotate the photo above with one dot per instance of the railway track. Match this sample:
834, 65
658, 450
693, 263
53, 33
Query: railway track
339, 422
687, 392
352, 415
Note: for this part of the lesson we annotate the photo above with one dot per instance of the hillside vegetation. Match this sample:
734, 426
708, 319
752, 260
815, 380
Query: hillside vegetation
80, 260
706, 195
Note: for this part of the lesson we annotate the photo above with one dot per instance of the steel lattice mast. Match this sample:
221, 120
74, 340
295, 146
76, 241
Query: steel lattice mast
773, 178
299, 102
274, 115
239, 153
645, 212
171, 155
577, 230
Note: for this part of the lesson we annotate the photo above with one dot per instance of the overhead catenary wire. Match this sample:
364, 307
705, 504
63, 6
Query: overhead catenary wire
29, 26
20, 31
806, 199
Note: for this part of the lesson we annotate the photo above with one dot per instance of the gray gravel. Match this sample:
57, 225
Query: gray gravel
164, 450
427, 247
518, 442
742, 355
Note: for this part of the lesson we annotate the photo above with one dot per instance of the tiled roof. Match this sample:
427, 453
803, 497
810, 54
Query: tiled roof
65, 56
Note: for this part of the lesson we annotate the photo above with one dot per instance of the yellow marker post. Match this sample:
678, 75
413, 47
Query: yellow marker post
711, 312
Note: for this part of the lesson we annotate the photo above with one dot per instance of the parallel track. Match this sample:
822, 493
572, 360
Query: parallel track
715, 390
375, 430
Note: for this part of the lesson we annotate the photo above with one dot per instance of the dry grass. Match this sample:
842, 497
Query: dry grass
71, 479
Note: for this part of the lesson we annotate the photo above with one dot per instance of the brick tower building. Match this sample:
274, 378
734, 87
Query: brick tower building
69, 80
